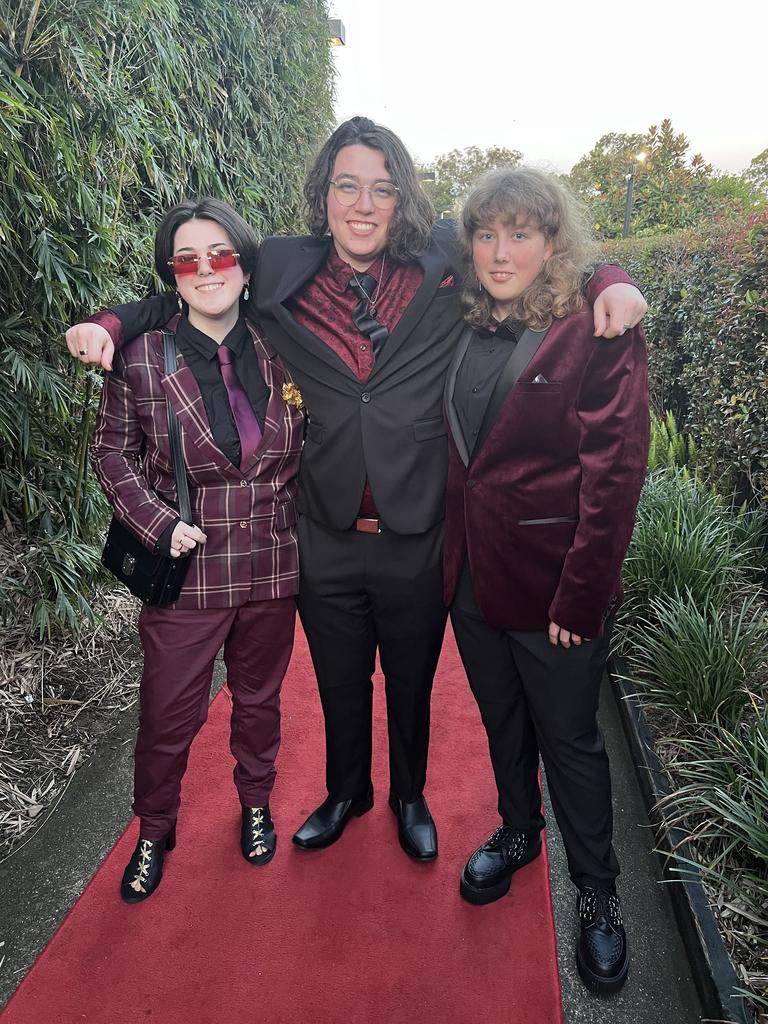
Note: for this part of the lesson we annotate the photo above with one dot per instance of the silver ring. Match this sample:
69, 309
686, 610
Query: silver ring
627, 327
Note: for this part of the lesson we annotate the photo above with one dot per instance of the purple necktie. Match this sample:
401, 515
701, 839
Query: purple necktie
245, 418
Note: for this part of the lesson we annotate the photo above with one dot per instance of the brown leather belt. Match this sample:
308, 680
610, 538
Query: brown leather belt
368, 525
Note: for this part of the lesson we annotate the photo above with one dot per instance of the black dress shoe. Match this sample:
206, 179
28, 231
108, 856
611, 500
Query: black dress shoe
258, 839
325, 825
146, 867
415, 827
487, 875
602, 955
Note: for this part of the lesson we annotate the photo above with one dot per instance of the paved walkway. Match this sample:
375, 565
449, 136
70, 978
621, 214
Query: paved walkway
44, 878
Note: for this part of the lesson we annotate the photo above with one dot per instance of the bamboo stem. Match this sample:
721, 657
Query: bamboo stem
28, 34
82, 447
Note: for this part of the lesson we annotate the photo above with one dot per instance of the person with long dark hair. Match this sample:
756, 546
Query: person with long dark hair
365, 313
241, 444
548, 450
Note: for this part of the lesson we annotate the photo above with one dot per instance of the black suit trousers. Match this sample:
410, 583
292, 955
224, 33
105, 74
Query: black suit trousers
359, 592
537, 698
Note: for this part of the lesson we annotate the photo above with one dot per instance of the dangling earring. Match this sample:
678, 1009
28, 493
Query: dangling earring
178, 300
246, 293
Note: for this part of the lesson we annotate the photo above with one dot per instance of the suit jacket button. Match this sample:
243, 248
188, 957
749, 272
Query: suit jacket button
365, 397
243, 524
470, 483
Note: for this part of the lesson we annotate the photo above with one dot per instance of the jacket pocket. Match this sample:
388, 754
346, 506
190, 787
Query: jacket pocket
315, 432
544, 522
425, 430
285, 515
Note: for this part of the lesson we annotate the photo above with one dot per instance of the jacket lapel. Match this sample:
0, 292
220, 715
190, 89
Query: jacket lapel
450, 386
433, 263
298, 271
274, 378
524, 352
183, 393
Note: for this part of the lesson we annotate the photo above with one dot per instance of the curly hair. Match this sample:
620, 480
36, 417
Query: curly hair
411, 223
508, 193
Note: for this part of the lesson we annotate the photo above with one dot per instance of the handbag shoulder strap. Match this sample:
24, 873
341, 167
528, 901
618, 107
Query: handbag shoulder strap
174, 436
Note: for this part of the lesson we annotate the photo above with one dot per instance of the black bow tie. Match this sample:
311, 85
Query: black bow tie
507, 330
364, 286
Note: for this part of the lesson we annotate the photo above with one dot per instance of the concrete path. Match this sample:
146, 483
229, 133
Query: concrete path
42, 880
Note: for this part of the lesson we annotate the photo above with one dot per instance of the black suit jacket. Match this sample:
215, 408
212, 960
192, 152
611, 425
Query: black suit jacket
390, 427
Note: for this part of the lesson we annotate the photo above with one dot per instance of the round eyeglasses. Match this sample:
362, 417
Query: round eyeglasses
383, 193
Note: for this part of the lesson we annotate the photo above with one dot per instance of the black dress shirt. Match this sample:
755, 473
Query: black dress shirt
485, 358
488, 353
199, 352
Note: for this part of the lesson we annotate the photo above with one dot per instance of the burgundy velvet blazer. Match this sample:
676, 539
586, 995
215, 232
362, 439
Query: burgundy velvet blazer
545, 506
249, 517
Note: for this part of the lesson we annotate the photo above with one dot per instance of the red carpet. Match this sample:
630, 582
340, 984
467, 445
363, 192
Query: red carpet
355, 934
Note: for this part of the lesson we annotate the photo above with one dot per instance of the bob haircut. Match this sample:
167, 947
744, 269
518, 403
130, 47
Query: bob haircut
242, 235
411, 224
542, 199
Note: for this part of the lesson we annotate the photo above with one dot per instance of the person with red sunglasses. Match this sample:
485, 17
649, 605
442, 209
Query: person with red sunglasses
241, 444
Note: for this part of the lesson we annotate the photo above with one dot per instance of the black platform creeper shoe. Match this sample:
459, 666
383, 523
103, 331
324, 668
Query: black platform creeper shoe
487, 875
258, 839
145, 868
326, 824
602, 955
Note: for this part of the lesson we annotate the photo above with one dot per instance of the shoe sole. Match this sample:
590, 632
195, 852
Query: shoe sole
599, 984
479, 897
358, 809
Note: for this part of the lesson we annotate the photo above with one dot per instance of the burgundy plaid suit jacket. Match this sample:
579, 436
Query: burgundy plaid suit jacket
249, 517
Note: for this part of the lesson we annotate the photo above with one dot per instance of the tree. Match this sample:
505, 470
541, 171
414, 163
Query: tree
757, 173
672, 190
455, 171
110, 111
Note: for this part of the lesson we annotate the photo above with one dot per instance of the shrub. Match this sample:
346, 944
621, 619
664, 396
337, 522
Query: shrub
687, 540
707, 330
699, 659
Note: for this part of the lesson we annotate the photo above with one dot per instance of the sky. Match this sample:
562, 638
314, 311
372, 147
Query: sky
551, 78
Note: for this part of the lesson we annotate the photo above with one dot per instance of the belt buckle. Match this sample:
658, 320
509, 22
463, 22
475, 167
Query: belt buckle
365, 525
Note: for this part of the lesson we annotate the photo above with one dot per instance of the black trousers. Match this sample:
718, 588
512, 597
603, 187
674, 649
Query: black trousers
357, 592
536, 698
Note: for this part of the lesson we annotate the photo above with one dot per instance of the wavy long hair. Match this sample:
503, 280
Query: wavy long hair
411, 224
542, 199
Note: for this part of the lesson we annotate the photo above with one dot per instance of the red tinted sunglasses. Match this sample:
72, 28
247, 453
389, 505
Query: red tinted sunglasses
189, 262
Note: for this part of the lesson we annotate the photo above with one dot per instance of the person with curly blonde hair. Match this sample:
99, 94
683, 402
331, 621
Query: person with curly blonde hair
548, 445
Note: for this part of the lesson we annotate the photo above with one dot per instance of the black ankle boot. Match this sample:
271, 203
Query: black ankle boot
602, 955
146, 867
258, 839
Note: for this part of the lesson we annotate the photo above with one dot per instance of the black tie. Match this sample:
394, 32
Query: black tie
364, 286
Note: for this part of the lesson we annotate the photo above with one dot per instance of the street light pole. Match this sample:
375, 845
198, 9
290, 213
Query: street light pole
628, 200
630, 190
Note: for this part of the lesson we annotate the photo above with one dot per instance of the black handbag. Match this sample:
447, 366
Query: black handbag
154, 578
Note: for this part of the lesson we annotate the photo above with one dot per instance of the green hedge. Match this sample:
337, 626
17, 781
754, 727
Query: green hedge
707, 331
109, 113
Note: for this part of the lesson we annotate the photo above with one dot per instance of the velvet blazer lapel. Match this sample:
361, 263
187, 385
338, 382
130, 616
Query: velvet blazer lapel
450, 387
525, 350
